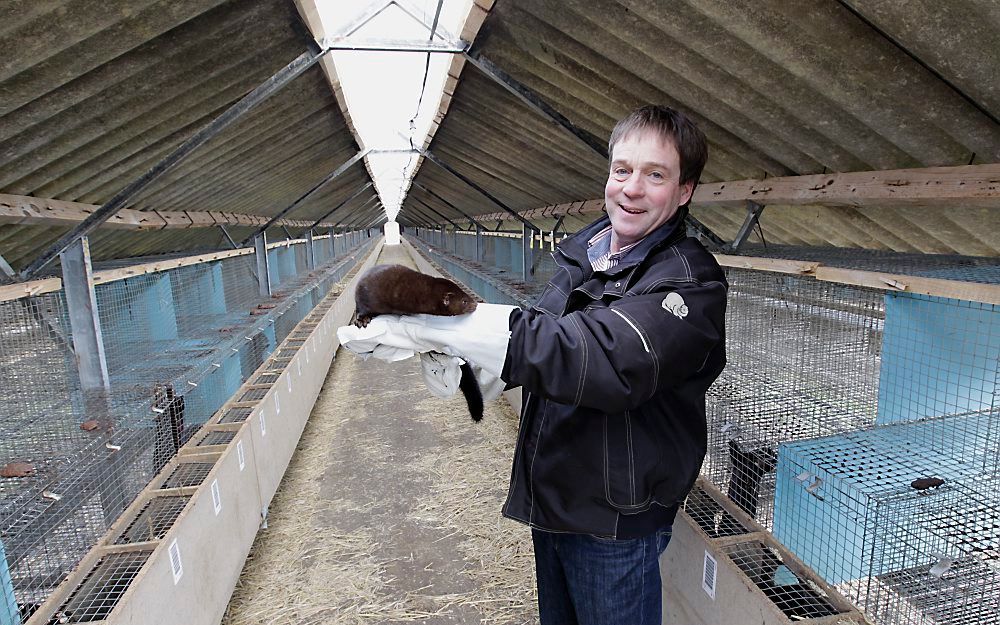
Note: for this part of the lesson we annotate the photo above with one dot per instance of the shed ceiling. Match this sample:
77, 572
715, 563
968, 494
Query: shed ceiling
780, 89
93, 95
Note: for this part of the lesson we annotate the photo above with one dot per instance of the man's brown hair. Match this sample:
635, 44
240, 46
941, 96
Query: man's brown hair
687, 138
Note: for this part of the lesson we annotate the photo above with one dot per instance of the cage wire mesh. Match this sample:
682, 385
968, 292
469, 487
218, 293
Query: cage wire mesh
178, 344
861, 428
803, 360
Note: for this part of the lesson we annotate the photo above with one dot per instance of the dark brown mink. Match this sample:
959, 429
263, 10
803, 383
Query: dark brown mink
399, 290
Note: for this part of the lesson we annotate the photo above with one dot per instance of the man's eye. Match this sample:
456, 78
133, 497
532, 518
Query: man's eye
656, 175
620, 172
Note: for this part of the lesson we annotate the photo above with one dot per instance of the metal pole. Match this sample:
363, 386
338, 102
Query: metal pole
322, 183
434, 159
536, 103
332, 210
450, 205
92, 364
236, 247
753, 215
431, 209
310, 251
268, 88
555, 229
263, 276
85, 324
6, 269
527, 250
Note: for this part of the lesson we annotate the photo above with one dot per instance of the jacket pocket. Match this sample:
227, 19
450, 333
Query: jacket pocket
620, 486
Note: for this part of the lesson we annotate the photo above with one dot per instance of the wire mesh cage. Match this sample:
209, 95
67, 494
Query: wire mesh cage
98, 594
797, 597
803, 361
844, 417
178, 343
153, 520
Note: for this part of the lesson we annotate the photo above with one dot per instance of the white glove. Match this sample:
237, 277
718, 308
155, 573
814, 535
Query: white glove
443, 374
479, 338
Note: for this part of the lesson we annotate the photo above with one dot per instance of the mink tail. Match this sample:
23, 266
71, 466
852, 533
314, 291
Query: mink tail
470, 388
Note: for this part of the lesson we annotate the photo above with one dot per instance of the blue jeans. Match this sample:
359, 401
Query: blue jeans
585, 580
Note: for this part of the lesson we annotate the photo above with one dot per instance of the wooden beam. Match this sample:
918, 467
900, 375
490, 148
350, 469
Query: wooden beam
11, 292
27, 210
969, 186
777, 265
954, 289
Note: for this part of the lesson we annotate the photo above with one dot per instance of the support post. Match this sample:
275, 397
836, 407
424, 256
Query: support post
310, 251
92, 364
81, 302
6, 270
479, 243
527, 252
753, 215
555, 229
263, 276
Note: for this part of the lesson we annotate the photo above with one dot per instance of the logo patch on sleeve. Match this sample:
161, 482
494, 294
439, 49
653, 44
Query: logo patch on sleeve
674, 304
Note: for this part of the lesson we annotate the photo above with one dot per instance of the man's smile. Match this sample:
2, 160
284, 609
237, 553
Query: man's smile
631, 211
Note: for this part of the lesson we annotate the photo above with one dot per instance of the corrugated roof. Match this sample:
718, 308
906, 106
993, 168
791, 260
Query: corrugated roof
94, 95
780, 89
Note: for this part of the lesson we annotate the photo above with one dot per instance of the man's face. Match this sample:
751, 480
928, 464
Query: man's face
643, 189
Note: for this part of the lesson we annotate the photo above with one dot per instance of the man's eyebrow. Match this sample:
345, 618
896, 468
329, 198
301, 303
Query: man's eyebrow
643, 165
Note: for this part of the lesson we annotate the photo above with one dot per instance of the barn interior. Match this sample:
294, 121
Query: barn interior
186, 205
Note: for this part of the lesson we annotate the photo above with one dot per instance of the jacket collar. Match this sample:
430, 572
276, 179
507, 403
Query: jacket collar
575, 247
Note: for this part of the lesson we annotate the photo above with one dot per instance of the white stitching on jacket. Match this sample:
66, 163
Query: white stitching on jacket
642, 338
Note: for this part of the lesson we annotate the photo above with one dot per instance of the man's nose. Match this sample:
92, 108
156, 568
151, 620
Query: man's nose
633, 186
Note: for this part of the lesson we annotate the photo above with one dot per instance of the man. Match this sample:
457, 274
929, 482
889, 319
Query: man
614, 361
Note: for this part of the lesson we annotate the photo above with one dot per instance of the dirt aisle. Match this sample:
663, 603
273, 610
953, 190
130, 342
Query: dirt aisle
389, 512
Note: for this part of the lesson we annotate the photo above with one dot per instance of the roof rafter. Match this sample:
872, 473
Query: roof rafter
27, 210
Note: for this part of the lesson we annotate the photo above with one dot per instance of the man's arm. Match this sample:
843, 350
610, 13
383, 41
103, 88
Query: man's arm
616, 358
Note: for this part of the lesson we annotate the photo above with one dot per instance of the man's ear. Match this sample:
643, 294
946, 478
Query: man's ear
687, 190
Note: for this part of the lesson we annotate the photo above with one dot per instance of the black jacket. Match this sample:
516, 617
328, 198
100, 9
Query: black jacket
614, 367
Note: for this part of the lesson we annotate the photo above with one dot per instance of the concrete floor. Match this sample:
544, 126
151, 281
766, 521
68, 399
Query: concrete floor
390, 511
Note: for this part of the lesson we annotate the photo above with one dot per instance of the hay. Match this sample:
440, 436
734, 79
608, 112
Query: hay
302, 570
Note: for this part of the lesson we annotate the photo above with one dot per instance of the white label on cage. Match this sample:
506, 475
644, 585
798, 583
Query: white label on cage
216, 497
175, 561
708, 576
239, 454
263, 423
277, 408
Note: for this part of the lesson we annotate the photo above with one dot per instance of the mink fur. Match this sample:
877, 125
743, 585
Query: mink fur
399, 290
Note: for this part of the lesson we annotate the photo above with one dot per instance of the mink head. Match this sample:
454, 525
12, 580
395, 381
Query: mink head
458, 303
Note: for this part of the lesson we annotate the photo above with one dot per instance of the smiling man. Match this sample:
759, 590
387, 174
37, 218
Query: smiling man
614, 360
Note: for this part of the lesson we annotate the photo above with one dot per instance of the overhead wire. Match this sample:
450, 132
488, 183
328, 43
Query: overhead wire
420, 99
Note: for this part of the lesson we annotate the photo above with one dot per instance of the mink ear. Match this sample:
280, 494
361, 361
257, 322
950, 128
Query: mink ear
447, 298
